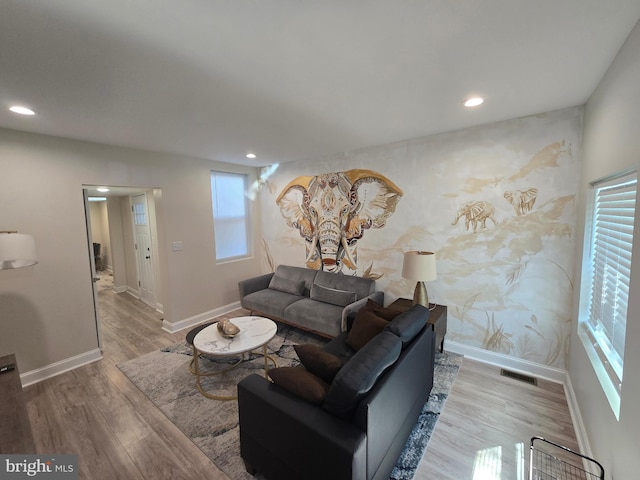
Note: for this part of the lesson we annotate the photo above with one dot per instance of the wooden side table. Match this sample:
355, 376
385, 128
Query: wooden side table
437, 318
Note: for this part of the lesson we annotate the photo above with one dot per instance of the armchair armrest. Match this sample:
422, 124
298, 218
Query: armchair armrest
254, 284
377, 297
284, 437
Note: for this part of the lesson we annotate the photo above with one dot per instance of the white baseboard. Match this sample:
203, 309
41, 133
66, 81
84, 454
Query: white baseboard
132, 291
576, 418
173, 327
553, 374
120, 289
39, 374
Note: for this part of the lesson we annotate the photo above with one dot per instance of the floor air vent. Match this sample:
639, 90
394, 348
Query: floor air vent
519, 376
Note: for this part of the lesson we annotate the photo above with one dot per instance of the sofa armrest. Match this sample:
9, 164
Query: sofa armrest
377, 297
254, 284
283, 436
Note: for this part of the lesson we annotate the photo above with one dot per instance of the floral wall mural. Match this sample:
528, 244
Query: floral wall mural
497, 205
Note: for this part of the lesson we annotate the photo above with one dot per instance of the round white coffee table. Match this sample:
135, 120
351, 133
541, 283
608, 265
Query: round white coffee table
255, 332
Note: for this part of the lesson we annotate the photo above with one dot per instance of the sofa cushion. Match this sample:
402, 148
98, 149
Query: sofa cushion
300, 382
269, 302
363, 287
286, 285
338, 347
342, 298
356, 378
409, 323
316, 316
297, 274
366, 326
386, 313
319, 362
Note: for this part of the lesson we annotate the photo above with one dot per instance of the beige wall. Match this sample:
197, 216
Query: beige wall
46, 311
612, 144
508, 285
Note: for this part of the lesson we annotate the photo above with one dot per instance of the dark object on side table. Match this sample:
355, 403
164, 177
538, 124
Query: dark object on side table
367, 415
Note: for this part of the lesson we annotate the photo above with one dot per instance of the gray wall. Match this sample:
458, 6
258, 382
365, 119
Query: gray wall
612, 144
46, 311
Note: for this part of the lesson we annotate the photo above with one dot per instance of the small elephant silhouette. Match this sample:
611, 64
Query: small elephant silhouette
522, 200
476, 213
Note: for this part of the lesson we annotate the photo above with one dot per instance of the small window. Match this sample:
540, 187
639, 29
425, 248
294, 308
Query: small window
230, 217
139, 216
605, 280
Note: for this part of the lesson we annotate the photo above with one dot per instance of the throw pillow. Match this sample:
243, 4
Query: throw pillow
323, 364
287, 286
341, 298
360, 374
379, 310
301, 383
366, 326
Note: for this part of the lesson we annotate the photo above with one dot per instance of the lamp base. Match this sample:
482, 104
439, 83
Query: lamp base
420, 296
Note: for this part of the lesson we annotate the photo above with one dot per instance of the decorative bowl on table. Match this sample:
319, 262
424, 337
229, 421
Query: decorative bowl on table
227, 329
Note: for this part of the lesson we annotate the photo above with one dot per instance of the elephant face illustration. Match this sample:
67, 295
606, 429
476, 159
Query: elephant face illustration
522, 200
475, 213
332, 210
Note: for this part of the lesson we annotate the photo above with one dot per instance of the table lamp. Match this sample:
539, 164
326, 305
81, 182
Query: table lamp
17, 250
420, 267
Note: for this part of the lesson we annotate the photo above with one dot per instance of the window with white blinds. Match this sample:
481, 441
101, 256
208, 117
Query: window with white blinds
230, 215
610, 266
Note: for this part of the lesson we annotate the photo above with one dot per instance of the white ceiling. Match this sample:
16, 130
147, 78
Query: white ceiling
295, 79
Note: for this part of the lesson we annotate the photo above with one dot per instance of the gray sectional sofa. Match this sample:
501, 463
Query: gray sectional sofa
313, 300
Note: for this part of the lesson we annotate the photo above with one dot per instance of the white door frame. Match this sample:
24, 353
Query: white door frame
92, 262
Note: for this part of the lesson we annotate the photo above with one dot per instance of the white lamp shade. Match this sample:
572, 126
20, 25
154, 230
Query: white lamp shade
419, 266
17, 250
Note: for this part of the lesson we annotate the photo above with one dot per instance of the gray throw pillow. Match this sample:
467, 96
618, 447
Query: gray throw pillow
341, 298
285, 285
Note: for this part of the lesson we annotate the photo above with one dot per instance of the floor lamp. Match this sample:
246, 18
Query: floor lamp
17, 250
420, 267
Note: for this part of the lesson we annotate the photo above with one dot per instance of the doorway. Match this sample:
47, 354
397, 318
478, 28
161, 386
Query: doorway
123, 242
142, 248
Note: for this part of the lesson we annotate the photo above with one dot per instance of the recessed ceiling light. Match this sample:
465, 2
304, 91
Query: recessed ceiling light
251, 155
22, 110
474, 102
102, 189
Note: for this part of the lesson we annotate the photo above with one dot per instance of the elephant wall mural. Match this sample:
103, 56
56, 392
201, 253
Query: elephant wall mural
332, 211
476, 213
522, 200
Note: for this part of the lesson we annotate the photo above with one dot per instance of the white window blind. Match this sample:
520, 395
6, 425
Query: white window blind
611, 244
230, 218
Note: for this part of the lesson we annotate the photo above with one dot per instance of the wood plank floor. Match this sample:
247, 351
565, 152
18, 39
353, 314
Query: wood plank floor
96, 412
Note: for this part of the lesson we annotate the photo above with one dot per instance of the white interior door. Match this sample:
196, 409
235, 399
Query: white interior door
142, 239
